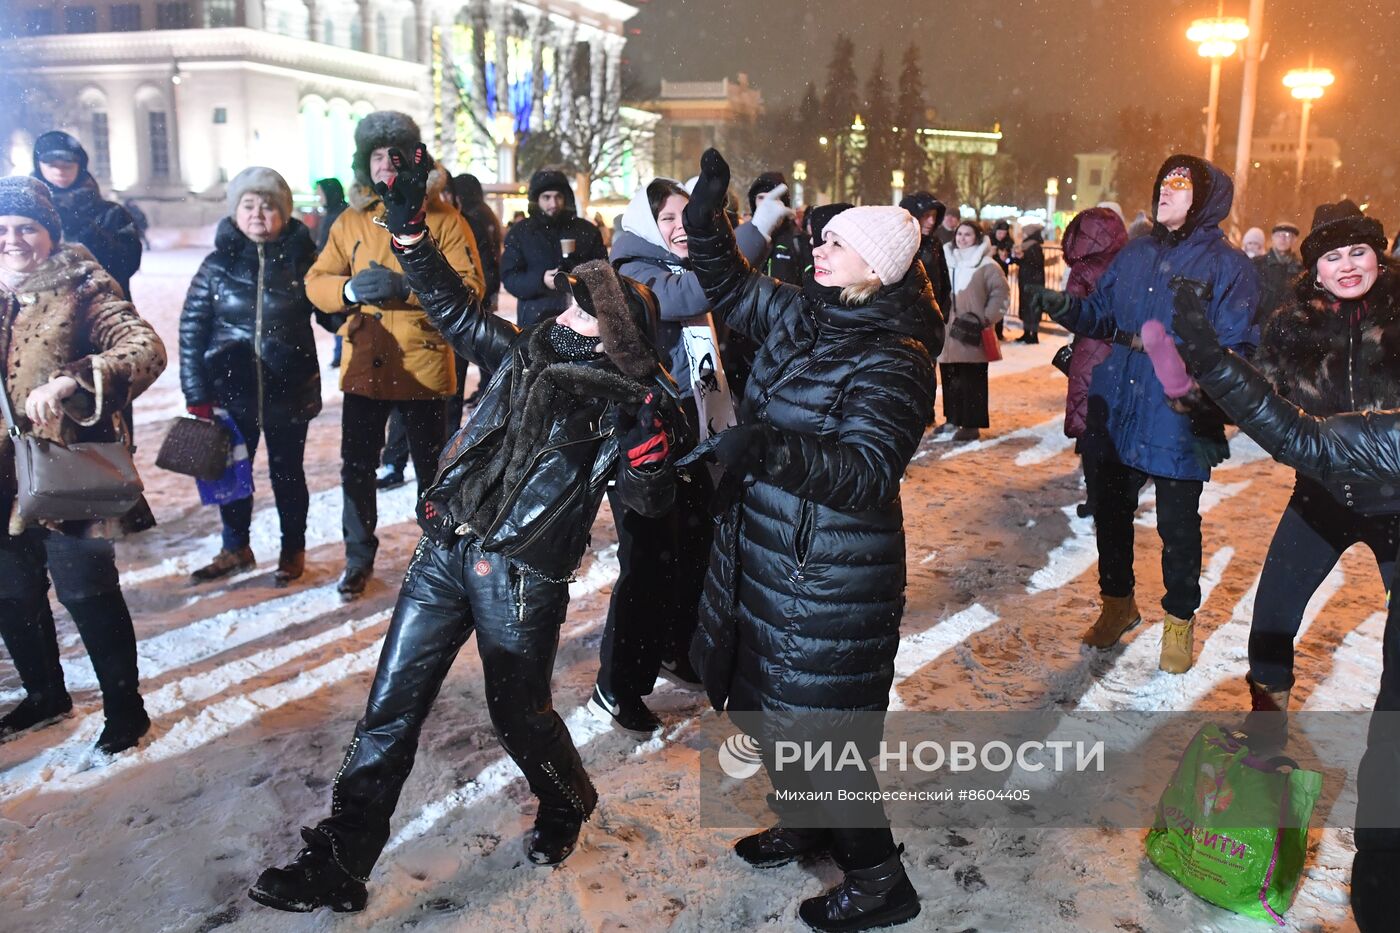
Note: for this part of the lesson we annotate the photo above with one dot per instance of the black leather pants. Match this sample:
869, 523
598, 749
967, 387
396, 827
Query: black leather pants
448, 593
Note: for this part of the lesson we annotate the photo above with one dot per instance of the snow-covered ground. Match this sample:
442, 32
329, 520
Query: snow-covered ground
255, 692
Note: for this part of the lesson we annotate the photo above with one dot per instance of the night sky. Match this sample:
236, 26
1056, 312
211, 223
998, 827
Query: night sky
1086, 55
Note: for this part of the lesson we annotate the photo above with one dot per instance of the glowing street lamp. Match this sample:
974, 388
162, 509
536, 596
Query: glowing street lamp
799, 181
1216, 37
896, 185
503, 135
1306, 84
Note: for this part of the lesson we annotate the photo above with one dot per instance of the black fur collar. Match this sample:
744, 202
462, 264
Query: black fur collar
1311, 353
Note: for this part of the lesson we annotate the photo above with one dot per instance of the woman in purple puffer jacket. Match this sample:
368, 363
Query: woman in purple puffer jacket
1091, 241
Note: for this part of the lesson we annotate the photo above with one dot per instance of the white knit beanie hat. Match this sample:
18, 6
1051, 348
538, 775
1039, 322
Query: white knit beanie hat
887, 237
258, 179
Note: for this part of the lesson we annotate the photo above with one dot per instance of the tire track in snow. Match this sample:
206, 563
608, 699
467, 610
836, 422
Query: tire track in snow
1357, 659
1039, 433
918, 651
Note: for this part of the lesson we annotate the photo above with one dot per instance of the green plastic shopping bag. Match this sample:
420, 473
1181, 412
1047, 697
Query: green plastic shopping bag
1233, 828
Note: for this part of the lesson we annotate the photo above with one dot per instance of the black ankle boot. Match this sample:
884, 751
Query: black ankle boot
312, 880
34, 711
124, 731
866, 898
555, 834
781, 845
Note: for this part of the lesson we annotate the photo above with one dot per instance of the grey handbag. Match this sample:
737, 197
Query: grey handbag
78, 482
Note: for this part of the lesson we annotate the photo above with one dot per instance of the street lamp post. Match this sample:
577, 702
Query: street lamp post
799, 181
1216, 37
896, 185
1052, 192
1307, 85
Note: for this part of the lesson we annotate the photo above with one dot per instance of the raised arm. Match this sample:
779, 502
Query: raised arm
452, 305
741, 298
1352, 446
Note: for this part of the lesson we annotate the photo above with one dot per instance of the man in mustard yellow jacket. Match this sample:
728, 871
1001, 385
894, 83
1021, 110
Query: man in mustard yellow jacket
393, 357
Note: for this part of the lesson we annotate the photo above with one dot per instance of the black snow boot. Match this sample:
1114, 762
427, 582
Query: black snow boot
312, 880
33, 711
781, 845
1373, 874
555, 834
867, 898
123, 732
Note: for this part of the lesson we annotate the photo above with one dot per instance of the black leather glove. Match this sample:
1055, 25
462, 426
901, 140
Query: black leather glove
711, 190
405, 195
966, 330
379, 284
642, 434
752, 450
1196, 337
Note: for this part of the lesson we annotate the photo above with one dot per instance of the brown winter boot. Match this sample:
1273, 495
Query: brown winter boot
290, 566
225, 563
1119, 614
1266, 726
1178, 644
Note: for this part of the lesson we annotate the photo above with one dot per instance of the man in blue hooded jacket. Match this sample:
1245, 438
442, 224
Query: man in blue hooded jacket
1133, 430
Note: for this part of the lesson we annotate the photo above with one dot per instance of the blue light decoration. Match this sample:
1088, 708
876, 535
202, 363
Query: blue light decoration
521, 96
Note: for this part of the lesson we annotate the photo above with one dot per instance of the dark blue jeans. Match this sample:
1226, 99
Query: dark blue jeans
286, 451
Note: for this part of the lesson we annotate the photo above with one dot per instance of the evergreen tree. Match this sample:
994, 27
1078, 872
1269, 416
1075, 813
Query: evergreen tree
909, 117
877, 158
807, 130
838, 110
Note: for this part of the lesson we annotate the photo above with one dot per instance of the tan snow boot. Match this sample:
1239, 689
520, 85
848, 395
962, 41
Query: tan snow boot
1178, 644
1119, 614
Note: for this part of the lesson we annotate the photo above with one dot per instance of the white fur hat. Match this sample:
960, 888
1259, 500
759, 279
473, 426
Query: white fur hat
258, 179
886, 237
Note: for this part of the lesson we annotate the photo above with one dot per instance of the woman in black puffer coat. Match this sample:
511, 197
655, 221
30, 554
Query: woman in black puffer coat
805, 591
246, 346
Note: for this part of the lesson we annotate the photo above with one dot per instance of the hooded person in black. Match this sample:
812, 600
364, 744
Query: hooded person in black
486, 227
929, 212
332, 195
506, 523
104, 227
790, 251
534, 248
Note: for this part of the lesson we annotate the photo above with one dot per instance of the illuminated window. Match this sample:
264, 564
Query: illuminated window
159, 137
101, 147
219, 13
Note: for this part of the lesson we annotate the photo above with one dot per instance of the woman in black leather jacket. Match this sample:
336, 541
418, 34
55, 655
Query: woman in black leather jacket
1347, 453
805, 592
506, 523
246, 346
1334, 346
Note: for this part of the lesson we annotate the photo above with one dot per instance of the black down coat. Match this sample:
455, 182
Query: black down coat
104, 227
246, 342
805, 590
